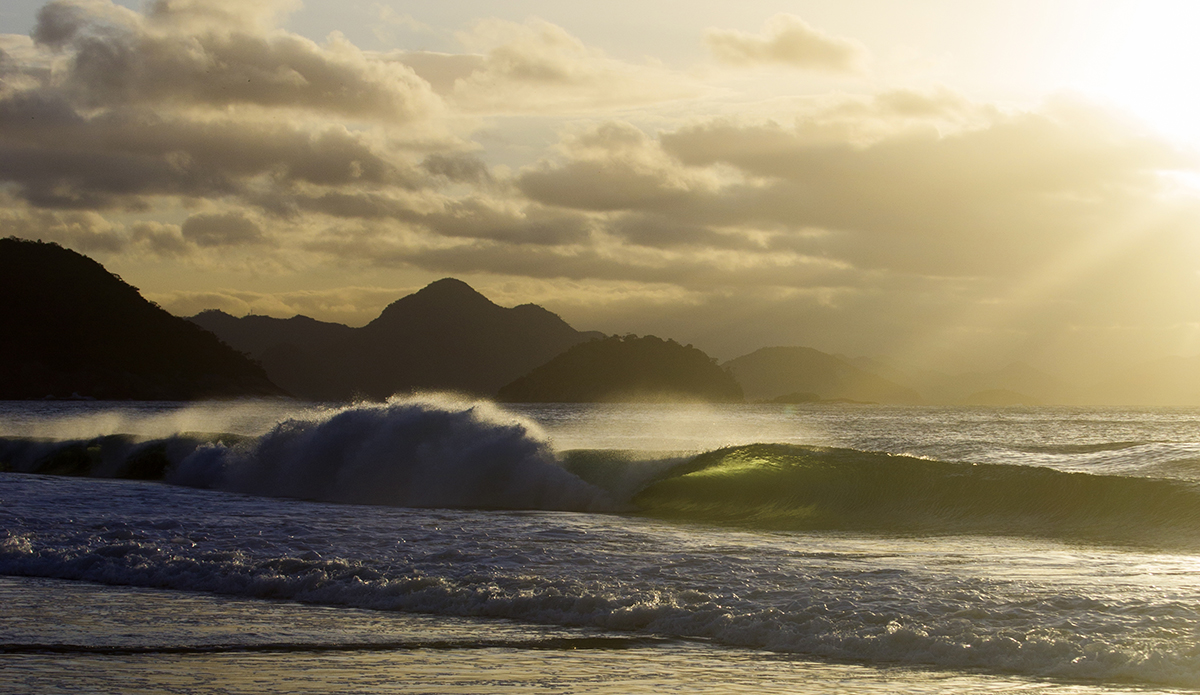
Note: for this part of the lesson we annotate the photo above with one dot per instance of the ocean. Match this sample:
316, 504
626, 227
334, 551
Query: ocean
439, 545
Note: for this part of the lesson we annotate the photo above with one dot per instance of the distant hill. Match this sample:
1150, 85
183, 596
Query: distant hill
798, 373
290, 350
622, 369
446, 336
254, 335
70, 327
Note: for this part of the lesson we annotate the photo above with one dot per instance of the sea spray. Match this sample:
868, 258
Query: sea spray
429, 451
62, 420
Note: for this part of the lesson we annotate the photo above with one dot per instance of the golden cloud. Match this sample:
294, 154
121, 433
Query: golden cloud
539, 67
788, 40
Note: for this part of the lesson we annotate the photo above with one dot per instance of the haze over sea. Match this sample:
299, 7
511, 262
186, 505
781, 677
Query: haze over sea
443, 545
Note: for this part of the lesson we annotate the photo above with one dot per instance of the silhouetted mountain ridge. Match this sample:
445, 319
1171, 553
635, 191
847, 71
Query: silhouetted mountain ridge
254, 334
71, 327
446, 336
622, 369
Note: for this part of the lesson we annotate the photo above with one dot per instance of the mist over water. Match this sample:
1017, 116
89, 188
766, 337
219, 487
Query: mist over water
149, 419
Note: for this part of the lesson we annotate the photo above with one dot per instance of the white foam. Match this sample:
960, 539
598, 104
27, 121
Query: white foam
426, 451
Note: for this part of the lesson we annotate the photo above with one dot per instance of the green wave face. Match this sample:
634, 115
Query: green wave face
774, 486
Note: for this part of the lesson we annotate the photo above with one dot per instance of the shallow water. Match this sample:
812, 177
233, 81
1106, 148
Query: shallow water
68, 637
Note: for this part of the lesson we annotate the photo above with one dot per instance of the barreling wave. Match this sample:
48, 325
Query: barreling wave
438, 451
777, 486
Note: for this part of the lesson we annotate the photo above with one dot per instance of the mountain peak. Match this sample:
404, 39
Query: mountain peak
444, 298
449, 288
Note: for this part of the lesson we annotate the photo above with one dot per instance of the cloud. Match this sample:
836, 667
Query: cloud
198, 15
612, 167
693, 268
440, 70
222, 229
141, 110
995, 199
61, 158
87, 231
208, 54
788, 40
199, 134
91, 233
457, 167
392, 22
162, 239
539, 67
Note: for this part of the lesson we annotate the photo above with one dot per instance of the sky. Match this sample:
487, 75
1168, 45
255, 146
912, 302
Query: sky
946, 184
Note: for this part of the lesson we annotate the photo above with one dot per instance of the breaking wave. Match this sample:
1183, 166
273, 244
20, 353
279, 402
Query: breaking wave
432, 451
406, 452
444, 452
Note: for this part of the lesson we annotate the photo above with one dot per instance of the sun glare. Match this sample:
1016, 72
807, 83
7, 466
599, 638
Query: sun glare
1146, 64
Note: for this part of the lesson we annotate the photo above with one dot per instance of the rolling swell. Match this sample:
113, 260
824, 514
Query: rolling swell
787, 487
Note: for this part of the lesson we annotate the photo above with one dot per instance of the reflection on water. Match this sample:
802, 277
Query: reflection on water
273, 647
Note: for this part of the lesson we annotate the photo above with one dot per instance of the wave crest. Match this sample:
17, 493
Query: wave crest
429, 451
781, 486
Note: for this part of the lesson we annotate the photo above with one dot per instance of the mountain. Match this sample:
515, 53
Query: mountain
446, 336
255, 335
71, 327
621, 369
290, 350
804, 374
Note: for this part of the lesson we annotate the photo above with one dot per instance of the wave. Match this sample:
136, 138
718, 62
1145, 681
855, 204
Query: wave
847, 615
779, 486
429, 451
426, 452
444, 452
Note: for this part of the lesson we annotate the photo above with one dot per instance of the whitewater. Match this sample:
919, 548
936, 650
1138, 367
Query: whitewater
442, 544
